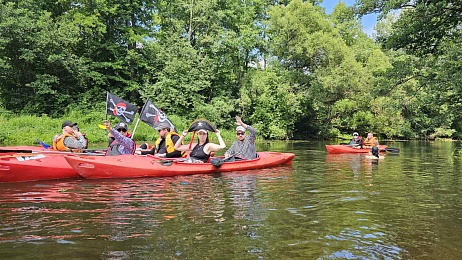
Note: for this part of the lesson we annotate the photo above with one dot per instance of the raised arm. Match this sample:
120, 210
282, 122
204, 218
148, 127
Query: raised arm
185, 147
239, 122
253, 131
216, 147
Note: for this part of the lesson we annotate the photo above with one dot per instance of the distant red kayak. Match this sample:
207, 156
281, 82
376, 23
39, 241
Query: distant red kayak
131, 166
338, 148
19, 167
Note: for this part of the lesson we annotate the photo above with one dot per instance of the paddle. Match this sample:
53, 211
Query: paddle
392, 150
388, 149
95, 150
44, 145
351, 145
15, 151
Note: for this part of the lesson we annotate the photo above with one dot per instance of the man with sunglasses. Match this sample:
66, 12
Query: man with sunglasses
164, 145
122, 143
244, 147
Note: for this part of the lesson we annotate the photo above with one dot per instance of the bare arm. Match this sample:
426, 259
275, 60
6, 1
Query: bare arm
185, 147
216, 147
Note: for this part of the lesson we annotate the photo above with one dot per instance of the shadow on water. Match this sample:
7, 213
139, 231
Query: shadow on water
323, 206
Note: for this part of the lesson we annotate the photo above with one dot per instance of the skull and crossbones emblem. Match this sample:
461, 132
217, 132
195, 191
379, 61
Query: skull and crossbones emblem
120, 109
158, 116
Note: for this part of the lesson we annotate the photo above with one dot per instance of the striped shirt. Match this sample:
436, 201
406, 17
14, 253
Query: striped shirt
244, 149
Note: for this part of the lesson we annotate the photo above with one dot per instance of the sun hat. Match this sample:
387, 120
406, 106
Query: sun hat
202, 130
240, 128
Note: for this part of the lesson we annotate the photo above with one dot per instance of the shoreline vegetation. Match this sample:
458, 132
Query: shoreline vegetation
26, 129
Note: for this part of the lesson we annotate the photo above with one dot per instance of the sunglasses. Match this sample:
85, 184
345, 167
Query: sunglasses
121, 130
240, 133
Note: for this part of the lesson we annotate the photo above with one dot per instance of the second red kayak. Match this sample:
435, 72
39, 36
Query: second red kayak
18, 167
131, 166
338, 148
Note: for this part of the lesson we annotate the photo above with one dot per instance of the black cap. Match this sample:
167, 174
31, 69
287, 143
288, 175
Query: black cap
163, 125
68, 123
120, 126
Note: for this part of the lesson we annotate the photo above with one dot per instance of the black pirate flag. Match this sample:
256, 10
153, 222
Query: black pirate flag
154, 117
201, 124
120, 108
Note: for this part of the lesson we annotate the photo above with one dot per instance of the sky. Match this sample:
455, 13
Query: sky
367, 21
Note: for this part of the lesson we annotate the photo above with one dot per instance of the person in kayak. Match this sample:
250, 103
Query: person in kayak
370, 141
200, 151
70, 139
122, 144
164, 145
244, 147
356, 141
76, 128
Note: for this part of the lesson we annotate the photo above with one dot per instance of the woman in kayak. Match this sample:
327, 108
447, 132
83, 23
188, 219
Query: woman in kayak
357, 141
200, 151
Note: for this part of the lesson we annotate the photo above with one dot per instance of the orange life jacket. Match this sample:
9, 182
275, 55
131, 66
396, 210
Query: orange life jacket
59, 144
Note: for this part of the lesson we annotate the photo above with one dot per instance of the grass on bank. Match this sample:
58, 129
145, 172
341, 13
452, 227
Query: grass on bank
25, 129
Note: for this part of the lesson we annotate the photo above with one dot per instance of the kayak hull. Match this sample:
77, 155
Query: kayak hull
133, 166
17, 167
337, 148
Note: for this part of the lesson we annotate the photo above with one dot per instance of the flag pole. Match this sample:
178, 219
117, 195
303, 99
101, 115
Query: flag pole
107, 98
139, 116
134, 129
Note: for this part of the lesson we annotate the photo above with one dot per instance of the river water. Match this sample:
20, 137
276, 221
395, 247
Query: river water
407, 206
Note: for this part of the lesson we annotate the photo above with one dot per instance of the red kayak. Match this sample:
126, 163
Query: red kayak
17, 167
131, 166
339, 148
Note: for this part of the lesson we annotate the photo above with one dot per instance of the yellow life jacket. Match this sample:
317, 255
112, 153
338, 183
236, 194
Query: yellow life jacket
370, 142
169, 145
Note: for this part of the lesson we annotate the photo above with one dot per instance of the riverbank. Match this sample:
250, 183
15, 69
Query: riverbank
25, 129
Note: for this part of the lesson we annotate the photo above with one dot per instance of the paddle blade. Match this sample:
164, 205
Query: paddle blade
44, 145
392, 150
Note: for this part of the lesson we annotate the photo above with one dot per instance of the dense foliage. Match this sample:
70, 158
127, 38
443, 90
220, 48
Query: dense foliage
286, 67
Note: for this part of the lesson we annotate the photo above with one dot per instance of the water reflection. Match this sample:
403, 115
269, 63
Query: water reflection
346, 164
